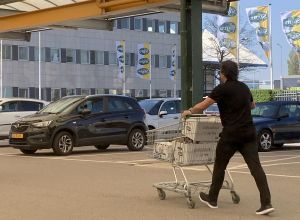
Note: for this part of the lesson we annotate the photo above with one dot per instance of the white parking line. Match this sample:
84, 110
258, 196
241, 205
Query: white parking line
268, 174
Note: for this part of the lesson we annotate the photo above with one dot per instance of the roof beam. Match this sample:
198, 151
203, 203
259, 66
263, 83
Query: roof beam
15, 36
77, 11
3, 2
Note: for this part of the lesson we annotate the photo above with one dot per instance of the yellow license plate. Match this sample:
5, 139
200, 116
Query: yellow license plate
17, 136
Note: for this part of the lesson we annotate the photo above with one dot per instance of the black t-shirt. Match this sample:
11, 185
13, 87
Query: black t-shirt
234, 101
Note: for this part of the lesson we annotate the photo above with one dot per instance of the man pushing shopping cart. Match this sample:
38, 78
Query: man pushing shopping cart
235, 102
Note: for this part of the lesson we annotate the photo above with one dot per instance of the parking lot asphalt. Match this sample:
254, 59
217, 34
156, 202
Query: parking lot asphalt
117, 184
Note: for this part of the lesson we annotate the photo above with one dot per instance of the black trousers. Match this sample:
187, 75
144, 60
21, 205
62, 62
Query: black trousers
244, 141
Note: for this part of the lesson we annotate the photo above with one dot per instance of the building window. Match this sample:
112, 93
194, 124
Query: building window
71, 92
99, 57
55, 94
124, 23
70, 56
85, 56
99, 91
112, 58
23, 92
36, 54
85, 92
55, 55
23, 53
138, 24
6, 52
153, 60
127, 59
162, 27
150, 25
173, 27
163, 61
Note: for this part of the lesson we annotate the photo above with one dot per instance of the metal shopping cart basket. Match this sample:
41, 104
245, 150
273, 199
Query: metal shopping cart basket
190, 142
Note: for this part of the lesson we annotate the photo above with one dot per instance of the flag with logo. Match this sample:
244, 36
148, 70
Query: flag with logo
291, 27
173, 63
120, 48
143, 69
228, 29
258, 18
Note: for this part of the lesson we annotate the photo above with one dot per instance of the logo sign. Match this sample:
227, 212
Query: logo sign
120, 48
291, 21
293, 35
227, 43
144, 51
143, 71
121, 59
227, 27
257, 17
144, 61
232, 11
261, 32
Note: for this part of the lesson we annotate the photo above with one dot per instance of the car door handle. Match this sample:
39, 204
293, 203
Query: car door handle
17, 116
175, 117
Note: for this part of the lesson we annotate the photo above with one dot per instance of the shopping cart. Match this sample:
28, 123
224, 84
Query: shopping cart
190, 142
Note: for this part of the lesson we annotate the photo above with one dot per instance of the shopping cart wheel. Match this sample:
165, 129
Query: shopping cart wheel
190, 203
161, 194
235, 197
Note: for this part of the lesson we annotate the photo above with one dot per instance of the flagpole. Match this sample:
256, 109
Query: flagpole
270, 36
40, 88
238, 34
124, 77
150, 68
1, 70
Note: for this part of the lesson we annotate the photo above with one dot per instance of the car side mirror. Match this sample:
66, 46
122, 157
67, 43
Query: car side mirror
162, 113
85, 112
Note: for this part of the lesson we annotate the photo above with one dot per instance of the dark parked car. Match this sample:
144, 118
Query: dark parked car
74, 121
277, 123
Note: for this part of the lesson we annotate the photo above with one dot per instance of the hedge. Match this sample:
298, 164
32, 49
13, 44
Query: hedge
263, 95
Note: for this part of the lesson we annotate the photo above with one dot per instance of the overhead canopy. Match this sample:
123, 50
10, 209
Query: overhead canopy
23, 16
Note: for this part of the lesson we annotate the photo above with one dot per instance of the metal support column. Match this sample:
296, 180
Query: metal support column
192, 78
196, 52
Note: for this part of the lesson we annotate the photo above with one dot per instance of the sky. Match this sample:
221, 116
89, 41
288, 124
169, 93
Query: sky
278, 37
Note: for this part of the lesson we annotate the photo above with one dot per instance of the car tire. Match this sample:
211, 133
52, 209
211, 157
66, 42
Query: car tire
265, 140
28, 151
136, 140
102, 146
63, 143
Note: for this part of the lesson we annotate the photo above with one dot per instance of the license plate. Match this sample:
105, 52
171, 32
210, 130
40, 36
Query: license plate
17, 136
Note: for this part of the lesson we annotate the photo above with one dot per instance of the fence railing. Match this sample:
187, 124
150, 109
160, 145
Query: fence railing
287, 95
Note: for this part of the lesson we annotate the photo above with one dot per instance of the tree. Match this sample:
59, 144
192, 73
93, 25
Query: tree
293, 64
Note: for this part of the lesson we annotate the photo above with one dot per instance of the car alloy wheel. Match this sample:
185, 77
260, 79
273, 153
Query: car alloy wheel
136, 140
63, 144
265, 140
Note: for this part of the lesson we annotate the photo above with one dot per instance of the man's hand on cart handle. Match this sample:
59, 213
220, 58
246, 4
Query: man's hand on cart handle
199, 107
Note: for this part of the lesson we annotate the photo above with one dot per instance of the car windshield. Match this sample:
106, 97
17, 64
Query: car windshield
265, 110
60, 105
151, 106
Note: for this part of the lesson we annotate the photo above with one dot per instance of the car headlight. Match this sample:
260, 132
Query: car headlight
42, 124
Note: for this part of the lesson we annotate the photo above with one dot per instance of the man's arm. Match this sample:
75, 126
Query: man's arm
199, 107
